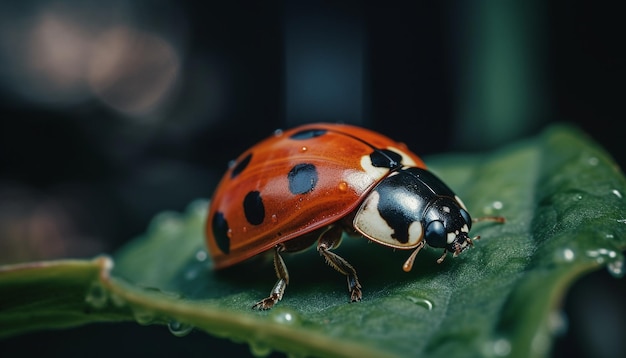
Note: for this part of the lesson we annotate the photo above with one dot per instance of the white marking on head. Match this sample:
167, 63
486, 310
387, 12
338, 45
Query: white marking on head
446, 209
450, 237
465, 229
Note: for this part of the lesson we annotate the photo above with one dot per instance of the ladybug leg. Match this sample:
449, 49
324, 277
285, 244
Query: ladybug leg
279, 288
329, 240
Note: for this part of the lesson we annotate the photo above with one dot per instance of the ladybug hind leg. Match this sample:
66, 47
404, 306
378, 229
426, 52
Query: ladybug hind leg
329, 240
283, 280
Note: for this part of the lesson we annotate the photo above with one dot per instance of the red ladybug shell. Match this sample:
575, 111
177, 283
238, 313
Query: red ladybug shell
295, 182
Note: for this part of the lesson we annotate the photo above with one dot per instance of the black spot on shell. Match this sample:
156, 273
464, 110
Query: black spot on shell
385, 158
240, 166
308, 134
220, 232
302, 178
253, 208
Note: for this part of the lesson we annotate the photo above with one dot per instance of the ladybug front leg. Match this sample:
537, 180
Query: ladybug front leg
279, 288
329, 240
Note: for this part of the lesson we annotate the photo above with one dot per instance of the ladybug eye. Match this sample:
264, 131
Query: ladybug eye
435, 234
467, 218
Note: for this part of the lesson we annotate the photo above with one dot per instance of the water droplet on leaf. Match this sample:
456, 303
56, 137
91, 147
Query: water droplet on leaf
259, 349
616, 267
565, 255
179, 329
602, 255
97, 296
285, 316
421, 302
143, 316
201, 255
614, 260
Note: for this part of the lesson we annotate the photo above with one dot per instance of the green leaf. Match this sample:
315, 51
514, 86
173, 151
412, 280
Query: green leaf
562, 196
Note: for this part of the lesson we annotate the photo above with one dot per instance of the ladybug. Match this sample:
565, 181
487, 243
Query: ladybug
311, 183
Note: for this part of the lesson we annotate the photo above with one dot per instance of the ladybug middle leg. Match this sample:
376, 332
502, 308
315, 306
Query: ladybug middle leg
294, 245
329, 240
283, 280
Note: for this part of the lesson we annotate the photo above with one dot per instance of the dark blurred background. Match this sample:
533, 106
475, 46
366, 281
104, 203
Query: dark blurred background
111, 112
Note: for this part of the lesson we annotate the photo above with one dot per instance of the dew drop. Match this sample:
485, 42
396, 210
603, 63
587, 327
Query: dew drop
616, 267
614, 260
143, 317
285, 316
274, 218
491, 209
259, 349
229, 233
343, 186
278, 133
304, 149
97, 296
565, 255
201, 255
179, 329
602, 255
421, 302
616, 193
244, 229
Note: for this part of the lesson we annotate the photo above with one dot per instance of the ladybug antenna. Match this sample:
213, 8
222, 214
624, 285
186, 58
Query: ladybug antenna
498, 219
408, 264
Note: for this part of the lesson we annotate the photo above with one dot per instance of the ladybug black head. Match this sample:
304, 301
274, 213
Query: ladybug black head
447, 225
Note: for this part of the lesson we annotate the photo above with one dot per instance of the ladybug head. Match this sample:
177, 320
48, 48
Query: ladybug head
447, 225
